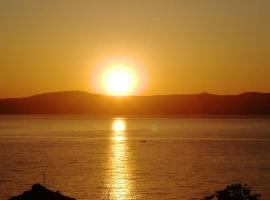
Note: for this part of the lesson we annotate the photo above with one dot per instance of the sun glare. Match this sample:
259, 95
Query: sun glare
119, 81
118, 125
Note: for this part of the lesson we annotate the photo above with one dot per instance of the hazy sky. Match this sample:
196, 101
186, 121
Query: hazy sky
182, 46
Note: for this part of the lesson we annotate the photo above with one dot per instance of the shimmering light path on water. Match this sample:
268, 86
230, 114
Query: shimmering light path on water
119, 180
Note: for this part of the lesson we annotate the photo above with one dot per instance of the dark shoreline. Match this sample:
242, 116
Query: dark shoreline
86, 116
170, 106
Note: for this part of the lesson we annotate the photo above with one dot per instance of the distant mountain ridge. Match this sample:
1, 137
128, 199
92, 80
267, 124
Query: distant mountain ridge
83, 103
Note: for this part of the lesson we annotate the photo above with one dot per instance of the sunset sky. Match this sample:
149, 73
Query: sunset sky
174, 46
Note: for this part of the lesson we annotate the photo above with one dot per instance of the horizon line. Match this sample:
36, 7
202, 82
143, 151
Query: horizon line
152, 95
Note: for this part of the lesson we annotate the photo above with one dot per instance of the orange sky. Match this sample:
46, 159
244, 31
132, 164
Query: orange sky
187, 46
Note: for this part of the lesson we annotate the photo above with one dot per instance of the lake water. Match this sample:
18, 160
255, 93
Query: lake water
133, 158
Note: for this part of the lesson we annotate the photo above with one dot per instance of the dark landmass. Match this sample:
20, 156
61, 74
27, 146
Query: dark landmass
39, 192
83, 103
236, 191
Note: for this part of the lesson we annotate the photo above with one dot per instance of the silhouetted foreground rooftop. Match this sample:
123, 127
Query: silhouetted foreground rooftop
39, 192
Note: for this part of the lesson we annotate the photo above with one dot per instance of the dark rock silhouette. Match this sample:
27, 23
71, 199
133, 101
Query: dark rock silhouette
39, 192
234, 192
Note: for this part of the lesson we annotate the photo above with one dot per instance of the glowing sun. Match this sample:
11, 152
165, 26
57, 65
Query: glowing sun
119, 80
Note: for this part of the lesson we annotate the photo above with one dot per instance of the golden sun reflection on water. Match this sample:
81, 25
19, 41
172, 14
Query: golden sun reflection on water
119, 125
119, 180
119, 138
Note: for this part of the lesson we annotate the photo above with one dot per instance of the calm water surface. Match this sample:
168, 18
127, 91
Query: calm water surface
107, 158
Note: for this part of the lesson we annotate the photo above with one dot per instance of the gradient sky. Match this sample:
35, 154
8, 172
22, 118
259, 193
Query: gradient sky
182, 46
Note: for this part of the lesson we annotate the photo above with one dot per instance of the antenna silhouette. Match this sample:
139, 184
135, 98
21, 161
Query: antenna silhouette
44, 178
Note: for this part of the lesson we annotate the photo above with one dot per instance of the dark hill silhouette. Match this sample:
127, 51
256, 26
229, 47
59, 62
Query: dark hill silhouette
77, 102
39, 192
